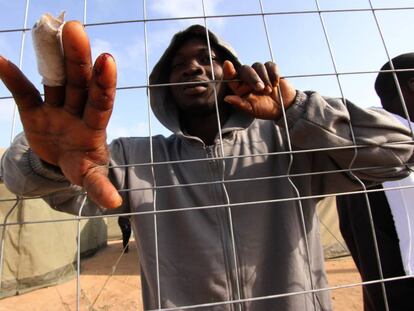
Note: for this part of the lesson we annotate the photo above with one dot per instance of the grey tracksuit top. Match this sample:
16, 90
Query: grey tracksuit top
276, 247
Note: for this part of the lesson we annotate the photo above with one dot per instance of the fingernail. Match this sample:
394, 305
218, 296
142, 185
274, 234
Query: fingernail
115, 202
260, 86
268, 89
99, 65
118, 200
101, 62
108, 56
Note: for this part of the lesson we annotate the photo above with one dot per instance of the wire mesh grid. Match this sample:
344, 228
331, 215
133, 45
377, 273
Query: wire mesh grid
265, 20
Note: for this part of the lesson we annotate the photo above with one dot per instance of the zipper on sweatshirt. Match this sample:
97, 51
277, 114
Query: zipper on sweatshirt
216, 170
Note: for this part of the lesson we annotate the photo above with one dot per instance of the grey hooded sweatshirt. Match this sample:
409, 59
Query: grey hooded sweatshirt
222, 225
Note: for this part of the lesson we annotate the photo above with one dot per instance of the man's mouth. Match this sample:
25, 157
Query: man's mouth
195, 88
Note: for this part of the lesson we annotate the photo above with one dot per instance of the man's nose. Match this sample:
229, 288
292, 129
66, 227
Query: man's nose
193, 68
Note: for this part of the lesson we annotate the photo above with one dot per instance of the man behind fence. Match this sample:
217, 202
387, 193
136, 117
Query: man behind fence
231, 231
125, 226
391, 212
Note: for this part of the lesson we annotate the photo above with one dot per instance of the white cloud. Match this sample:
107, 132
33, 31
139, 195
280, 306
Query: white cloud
124, 55
99, 46
142, 129
177, 8
134, 51
181, 8
129, 55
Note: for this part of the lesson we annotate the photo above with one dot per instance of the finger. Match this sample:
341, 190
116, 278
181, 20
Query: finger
249, 76
288, 93
273, 72
101, 190
261, 70
101, 93
239, 103
24, 92
230, 73
78, 66
54, 96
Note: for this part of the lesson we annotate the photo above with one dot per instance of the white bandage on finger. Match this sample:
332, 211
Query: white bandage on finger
47, 42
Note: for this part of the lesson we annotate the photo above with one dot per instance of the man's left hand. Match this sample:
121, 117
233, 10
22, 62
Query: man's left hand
257, 92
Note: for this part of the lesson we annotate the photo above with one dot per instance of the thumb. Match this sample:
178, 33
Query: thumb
288, 93
101, 190
230, 73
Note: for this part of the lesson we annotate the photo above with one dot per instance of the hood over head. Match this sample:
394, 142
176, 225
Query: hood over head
385, 84
162, 103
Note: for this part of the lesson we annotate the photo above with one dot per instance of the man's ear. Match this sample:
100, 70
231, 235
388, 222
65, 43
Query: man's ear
410, 85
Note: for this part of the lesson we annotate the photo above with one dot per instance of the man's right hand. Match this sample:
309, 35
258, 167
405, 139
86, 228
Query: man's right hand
68, 128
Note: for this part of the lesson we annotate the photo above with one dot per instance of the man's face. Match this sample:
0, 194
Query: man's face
191, 63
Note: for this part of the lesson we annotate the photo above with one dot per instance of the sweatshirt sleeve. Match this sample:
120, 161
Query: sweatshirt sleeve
379, 151
26, 175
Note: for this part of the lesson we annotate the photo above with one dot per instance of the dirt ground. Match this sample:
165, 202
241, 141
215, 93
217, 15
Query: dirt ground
105, 288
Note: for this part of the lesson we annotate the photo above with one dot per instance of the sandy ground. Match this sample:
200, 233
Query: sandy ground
105, 288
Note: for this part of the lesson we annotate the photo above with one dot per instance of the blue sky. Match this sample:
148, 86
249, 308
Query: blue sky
298, 44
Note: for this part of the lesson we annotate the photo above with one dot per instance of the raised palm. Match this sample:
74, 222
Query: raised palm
68, 128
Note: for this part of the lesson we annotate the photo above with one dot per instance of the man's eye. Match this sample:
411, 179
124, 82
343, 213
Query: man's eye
206, 59
177, 65
215, 59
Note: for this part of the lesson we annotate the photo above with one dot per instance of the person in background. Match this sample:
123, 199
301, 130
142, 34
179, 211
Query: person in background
125, 226
390, 211
217, 220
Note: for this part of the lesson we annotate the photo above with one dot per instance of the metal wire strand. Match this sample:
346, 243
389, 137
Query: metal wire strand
223, 168
22, 45
372, 226
291, 159
222, 157
144, 3
216, 16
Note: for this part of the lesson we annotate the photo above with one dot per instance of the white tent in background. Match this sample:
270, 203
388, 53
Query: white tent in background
332, 240
41, 254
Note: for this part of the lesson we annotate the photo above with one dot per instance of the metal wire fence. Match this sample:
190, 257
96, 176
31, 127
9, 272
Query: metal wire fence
267, 19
